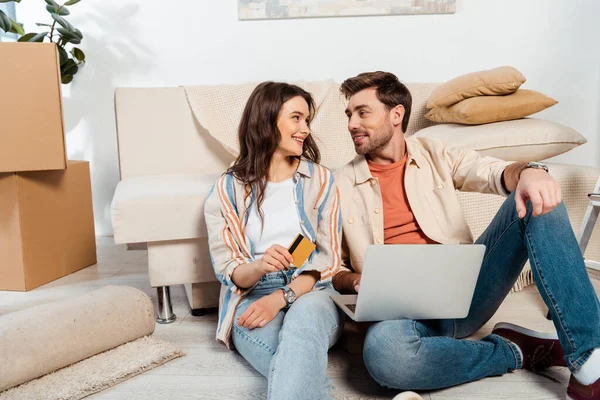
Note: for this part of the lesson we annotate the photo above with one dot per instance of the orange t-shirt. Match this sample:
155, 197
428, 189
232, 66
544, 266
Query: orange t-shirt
399, 223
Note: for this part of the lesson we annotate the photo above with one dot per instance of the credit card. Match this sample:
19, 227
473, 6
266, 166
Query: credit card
300, 249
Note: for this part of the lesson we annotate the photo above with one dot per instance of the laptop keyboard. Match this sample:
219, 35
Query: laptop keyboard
351, 307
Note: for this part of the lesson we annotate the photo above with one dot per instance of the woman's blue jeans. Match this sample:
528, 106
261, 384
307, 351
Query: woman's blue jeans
291, 350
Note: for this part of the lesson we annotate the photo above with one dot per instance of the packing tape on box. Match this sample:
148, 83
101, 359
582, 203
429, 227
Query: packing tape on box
45, 338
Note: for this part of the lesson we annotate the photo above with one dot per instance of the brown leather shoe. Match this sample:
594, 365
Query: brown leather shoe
540, 350
578, 391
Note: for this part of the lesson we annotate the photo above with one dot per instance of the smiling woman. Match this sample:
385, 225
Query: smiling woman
276, 309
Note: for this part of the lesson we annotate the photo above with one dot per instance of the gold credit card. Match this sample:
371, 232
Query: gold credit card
300, 249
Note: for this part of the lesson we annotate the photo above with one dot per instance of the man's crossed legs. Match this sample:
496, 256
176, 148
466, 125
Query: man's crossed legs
431, 354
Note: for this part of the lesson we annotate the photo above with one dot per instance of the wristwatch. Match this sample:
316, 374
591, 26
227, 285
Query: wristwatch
288, 295
537, 165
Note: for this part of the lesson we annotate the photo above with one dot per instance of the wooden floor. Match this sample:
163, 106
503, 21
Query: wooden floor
210, 371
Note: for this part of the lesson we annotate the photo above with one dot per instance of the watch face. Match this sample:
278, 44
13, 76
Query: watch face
290, 296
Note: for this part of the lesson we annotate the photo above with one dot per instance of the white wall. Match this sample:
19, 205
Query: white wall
169, 43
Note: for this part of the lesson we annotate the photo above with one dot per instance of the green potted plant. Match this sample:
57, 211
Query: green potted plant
58, 31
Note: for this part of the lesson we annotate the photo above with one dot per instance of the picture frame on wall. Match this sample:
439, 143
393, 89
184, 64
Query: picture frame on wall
281, 9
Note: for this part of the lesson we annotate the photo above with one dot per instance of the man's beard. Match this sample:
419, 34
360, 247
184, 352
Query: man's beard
377, 141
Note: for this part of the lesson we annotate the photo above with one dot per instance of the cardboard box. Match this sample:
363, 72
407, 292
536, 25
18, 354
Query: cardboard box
31, 118
46, 225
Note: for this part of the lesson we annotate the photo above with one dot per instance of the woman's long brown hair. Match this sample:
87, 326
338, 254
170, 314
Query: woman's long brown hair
259, 136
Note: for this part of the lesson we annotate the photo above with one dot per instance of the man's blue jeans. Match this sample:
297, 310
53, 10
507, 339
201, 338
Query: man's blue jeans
291, 350
430, 354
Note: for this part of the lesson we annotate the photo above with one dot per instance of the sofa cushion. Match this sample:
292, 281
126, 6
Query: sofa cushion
493, 82
486, 109
528, 139
161, 207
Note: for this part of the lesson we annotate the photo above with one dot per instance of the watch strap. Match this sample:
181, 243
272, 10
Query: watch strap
537, 165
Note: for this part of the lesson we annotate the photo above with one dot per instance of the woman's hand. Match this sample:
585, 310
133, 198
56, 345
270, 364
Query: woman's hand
262, 311
276, 258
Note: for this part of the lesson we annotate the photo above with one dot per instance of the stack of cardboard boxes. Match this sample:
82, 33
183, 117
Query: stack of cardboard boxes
46, 215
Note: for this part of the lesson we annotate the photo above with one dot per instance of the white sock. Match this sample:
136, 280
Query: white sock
590, 370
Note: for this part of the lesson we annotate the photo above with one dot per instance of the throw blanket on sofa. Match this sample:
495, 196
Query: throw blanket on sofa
219, 109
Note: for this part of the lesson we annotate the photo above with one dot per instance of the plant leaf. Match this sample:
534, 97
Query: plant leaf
52, 3
63, 22
39, 37
40, 24
74, 40
33, 37
17, 28
5, 22
8, 1
51, 9
71, 2
68, 36
70, 62
63, 11
78, 54
70, 68
66, 79
62, 56
25, 38
64, 32
78, 33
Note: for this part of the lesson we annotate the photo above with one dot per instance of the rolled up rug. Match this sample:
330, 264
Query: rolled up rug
45, 338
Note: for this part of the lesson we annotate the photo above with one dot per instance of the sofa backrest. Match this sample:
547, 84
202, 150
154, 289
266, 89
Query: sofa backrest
158, 133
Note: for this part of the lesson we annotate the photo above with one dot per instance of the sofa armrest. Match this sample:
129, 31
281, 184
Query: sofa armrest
575, 182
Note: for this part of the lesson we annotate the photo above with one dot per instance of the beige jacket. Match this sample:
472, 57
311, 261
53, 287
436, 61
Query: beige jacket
433, 172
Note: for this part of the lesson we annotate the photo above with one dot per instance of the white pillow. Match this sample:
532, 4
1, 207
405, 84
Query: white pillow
527, 139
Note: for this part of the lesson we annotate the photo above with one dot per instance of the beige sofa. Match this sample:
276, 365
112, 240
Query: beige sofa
168, 161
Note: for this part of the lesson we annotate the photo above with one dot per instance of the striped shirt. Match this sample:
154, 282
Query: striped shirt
226, 211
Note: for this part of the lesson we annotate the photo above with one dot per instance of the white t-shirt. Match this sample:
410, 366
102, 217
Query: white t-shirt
281, 220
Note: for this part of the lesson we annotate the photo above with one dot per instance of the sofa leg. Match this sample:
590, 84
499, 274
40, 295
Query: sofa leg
199, 312
165, 308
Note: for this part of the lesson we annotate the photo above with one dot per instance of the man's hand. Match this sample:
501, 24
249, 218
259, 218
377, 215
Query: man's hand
347, 282
356, 282
262, 311
538, 187
276, 258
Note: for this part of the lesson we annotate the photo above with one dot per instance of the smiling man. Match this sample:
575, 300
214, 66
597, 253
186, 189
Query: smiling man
402, 191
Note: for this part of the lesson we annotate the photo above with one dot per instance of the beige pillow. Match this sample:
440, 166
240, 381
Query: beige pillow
528, 139
493, 82
486, 109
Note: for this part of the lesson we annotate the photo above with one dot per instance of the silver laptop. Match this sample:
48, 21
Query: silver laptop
430, 281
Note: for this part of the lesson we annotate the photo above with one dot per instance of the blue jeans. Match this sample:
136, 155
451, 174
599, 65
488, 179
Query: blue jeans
430, 354
291, 350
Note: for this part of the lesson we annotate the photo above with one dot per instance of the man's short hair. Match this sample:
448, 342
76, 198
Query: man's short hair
390, 91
